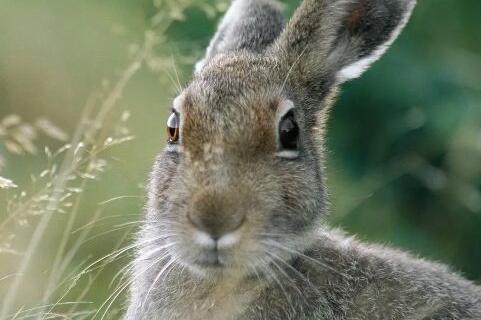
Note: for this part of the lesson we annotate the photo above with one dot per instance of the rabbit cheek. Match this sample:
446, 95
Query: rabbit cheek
301, 200
163, 180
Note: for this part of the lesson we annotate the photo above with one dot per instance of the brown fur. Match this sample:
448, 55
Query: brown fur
234, 228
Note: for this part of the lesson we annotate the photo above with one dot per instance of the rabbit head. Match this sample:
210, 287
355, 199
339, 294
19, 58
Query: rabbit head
241, 178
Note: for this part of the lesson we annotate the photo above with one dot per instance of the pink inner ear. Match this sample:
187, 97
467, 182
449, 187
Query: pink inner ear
354, 19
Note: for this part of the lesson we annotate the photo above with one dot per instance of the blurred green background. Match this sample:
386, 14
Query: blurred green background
404, 141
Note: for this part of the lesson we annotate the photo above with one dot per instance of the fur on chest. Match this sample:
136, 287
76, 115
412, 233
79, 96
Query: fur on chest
226, 299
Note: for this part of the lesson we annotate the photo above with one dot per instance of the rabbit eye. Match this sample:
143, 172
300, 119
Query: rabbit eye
288, 132
173, 128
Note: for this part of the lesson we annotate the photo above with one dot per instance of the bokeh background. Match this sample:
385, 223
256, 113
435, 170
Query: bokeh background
404, 141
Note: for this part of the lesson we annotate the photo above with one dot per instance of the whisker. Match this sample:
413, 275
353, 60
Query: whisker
122, 273
274, 259
161, 272
116, 254
25, 313
292, 68
270, 273
174, 66
150, 253
131, 265
302, 255
302, 276
97, 222
112, 297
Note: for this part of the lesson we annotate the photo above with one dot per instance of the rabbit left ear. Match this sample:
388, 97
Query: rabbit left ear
332, 41
247, 25
371, 26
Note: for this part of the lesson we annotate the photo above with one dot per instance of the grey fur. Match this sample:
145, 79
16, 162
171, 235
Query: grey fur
287, 263
235, 30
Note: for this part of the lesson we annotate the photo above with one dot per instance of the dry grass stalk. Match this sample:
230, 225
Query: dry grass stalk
59, 188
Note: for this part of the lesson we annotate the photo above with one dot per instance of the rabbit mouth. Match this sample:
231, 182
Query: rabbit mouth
212, 260
209, 259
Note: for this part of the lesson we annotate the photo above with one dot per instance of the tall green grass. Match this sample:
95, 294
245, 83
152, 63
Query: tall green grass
60, 190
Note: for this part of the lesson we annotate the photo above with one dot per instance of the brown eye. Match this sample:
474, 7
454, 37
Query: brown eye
173, 128
288, 132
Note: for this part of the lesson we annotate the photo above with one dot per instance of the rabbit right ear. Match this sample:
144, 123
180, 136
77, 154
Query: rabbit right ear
332, 41
248, 24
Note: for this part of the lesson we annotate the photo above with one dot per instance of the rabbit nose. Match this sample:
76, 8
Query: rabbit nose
215, 223
215, 216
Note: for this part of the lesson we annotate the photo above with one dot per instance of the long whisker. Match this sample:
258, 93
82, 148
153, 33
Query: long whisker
122, 287
122, 273
270, 273
161, 272
117, 253
292, 68
149, 254
26, 313
99, 222
283, 272
250, 266
130, 266
300, 275
174, 65
111, 230
302, 255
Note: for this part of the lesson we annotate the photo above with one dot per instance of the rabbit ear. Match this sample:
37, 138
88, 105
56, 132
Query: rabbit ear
332, 41
248, 24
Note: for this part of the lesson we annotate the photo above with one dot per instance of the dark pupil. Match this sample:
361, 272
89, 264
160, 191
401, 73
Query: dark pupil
172, 131
288, 132
173, 128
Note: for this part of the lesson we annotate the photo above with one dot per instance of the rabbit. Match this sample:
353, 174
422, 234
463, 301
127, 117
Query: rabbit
235, 224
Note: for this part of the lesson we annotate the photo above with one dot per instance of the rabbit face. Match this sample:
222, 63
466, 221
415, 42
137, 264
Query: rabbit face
240, 184
243, 172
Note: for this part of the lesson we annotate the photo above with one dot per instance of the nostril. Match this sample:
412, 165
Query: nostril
214, 224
